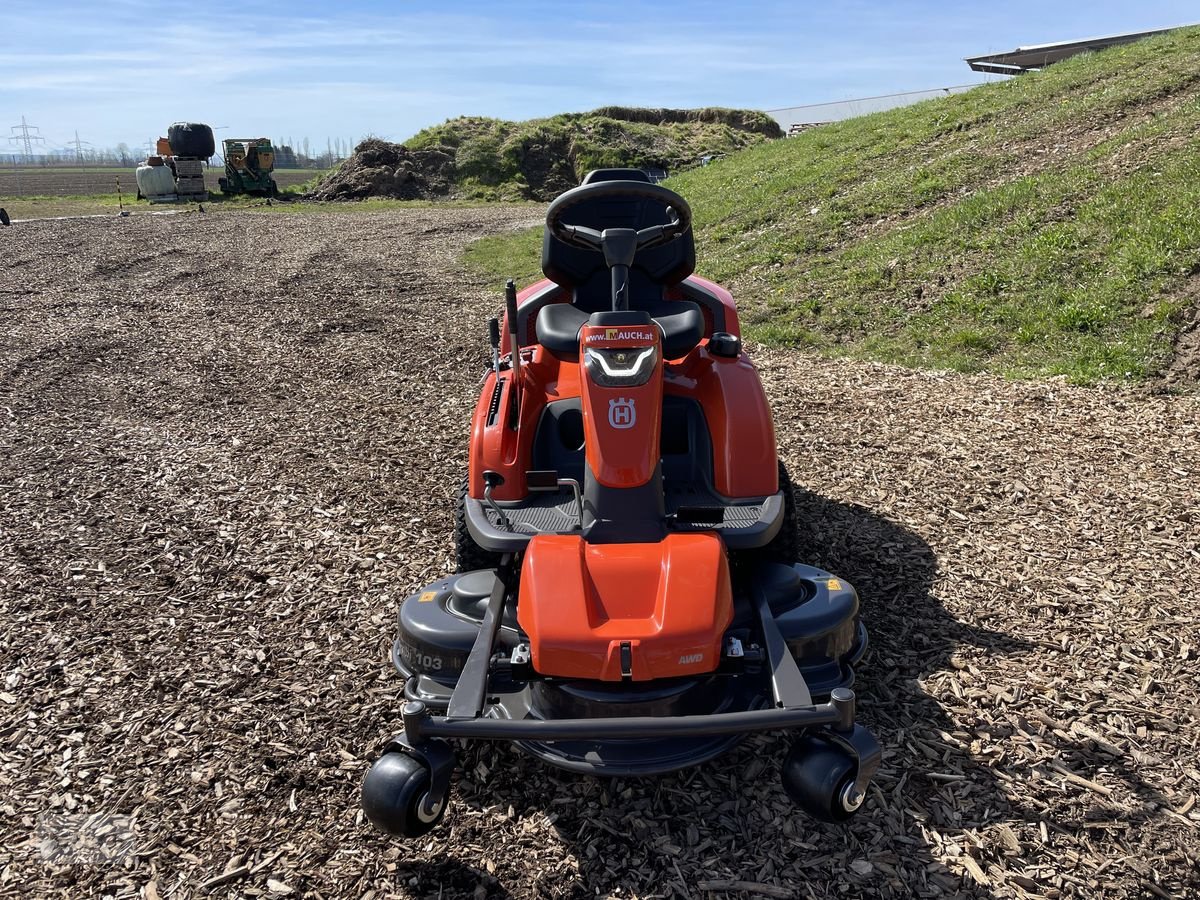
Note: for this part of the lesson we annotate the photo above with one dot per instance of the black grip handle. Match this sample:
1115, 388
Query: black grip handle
541, 480
510, 307
494, 331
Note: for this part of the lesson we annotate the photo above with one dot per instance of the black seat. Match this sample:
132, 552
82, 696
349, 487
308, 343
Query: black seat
680, 321
584, 274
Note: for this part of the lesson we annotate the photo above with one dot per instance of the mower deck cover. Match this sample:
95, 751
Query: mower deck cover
616, 612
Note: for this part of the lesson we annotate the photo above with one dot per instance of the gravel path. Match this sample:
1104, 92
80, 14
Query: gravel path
229, 445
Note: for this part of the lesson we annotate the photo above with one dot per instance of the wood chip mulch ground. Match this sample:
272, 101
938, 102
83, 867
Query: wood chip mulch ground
229, 445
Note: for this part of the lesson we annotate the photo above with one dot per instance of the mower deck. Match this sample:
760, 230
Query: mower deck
630, 728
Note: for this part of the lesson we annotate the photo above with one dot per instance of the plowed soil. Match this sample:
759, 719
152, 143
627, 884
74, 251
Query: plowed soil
38, 181
229, 445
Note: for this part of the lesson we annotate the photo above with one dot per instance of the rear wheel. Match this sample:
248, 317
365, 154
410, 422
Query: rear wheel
785, 546
468, 555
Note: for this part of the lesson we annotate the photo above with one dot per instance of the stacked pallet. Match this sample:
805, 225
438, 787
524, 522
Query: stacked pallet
189, 178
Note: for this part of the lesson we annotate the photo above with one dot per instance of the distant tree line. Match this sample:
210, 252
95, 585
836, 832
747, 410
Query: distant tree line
288, 155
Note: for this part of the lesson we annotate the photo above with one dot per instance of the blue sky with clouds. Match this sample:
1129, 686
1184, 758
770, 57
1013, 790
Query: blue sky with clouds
121, 70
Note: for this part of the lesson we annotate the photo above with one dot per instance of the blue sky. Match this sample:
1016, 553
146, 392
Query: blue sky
122, 70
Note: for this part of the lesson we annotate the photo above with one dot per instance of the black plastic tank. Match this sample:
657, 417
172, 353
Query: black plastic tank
818, 615
438, 626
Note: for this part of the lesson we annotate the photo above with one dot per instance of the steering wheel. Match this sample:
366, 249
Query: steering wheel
591, 239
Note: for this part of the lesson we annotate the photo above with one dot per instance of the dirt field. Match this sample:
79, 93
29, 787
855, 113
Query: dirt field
66, 181
229, 445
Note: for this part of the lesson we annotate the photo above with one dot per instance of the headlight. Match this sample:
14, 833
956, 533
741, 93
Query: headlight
621, 367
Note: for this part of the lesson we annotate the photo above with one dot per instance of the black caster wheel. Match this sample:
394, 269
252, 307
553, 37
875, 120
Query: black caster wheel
819, 775
395, 796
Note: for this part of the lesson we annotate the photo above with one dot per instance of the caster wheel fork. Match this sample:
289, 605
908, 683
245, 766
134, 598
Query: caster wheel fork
407, 790
827, 772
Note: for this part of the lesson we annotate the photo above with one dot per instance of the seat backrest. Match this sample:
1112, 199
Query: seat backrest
583, 271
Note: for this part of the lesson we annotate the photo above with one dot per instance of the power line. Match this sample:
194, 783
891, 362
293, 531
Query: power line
25, 139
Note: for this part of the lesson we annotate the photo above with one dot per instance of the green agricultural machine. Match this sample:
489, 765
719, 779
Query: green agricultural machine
249, 163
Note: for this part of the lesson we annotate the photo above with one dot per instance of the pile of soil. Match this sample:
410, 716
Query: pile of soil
491, 159
382, 169
222, 471
741, 119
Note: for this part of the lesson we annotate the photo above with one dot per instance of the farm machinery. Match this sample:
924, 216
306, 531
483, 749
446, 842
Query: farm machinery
628, 598
249, 163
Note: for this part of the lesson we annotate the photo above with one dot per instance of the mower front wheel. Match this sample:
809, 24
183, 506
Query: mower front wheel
395, 796
819, 775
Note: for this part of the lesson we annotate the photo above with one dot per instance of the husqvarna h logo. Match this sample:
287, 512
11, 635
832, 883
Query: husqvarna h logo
622, 413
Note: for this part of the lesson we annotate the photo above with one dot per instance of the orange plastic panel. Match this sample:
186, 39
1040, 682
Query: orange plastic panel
621, 424
739, 420
726, 299
670, 601
506, 445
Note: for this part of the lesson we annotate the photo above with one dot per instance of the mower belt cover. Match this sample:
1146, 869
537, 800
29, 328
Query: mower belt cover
625, 612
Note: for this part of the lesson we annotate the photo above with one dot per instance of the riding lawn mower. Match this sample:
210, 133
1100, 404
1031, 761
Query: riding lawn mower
627, 600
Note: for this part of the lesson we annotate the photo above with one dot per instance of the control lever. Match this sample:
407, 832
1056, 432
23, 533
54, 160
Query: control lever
514, 343
494, 340
544, 480
493, 480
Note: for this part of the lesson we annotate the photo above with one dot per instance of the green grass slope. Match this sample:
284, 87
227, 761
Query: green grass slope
1046, 225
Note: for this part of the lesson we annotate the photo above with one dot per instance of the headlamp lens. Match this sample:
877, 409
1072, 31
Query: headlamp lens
620, 366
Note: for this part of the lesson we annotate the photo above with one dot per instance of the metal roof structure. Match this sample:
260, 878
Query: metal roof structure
1038, 56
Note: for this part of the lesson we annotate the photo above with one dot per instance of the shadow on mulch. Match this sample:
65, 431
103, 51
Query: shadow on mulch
727, 828
448, 877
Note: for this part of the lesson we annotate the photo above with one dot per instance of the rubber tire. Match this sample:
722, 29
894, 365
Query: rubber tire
786, 546
814, 773
468, 555
398, 812
191, 139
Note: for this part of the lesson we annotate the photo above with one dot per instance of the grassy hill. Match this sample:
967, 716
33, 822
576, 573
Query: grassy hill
1049, 224
475, 158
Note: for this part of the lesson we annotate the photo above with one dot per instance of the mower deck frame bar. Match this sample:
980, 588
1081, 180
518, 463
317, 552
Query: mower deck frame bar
419, 725
788, 687
467, 700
